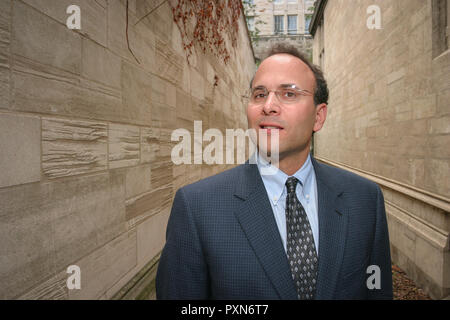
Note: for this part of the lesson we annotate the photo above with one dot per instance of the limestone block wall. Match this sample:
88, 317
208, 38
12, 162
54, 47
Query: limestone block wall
389, 120
86, 176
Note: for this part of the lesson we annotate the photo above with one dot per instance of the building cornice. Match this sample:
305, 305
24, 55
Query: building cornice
317, 16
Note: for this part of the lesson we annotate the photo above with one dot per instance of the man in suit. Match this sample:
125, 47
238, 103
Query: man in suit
309, 231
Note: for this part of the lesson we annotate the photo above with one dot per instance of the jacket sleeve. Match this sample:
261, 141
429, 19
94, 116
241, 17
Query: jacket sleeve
380, 255
182, 271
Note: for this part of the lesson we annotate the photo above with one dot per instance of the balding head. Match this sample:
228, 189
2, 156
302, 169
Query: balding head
320, 89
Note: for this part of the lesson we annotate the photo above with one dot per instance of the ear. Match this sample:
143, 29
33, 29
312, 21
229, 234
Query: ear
321, 115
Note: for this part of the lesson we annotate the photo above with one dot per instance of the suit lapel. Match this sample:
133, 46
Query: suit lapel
255, 216
333, 219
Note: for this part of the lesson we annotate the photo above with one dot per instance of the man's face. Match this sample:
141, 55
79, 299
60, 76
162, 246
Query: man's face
296, 121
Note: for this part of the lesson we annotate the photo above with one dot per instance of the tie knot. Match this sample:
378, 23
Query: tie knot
291, 183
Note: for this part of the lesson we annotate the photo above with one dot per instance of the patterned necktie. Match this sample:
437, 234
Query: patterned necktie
301, 250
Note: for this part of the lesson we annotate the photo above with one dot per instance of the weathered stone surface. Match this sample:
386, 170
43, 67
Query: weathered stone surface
435, 177
138, 181
99, 271
142, 39
160, 21
5, 35
137, 93
54, 288
117, 39
45, 227
440, 125
85, 225
163, 116
197, 88
151, 236
123, 145
92, 13
149, 203
169, 64
5, 20
162, 174
4, 82
163, 92
44, 40
100, 64
184, 106
20, 160
149, 144
43, 89
72, 147
103, 267
179, 176
27, 248
418, 242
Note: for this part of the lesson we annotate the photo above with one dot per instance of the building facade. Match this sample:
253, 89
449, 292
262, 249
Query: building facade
388, 119
271, 21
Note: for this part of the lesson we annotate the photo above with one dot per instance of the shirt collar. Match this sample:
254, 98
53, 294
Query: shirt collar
275, 183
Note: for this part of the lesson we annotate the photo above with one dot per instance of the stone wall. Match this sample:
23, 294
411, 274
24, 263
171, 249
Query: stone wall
86, 176
389, 120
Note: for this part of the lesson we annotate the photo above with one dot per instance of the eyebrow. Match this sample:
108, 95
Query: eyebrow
283, 85
288, 85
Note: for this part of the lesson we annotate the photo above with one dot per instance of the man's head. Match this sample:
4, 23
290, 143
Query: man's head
297, 118
321, 92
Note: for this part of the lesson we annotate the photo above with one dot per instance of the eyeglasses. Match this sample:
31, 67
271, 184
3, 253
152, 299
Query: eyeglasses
286, 94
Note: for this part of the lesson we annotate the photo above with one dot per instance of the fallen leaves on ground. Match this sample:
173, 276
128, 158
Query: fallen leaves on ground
405, 288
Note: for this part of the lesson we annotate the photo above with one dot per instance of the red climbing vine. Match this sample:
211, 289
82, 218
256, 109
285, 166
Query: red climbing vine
206, 23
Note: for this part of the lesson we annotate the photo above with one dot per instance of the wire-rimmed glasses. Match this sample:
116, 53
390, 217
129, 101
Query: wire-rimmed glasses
286, 93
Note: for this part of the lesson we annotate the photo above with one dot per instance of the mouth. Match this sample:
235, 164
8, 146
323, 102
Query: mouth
270, 126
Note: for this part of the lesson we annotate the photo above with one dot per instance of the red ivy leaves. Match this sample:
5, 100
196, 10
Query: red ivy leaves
205, 23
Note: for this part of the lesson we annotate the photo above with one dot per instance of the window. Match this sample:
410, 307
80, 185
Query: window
292, 24
279, 24
251, 23
307, 22
292, 1
278, 1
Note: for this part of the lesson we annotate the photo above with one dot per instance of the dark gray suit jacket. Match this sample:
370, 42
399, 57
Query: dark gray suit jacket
222, 240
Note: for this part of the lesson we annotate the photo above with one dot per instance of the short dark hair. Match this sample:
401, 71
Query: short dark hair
321, 91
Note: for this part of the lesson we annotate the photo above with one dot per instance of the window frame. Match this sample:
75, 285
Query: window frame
292, 31
275, 24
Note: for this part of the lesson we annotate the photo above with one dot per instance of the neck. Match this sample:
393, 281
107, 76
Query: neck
290, 163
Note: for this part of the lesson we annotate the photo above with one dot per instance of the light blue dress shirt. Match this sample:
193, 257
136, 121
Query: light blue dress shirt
306, 191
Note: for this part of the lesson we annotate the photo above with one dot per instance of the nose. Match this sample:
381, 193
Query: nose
271, 105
